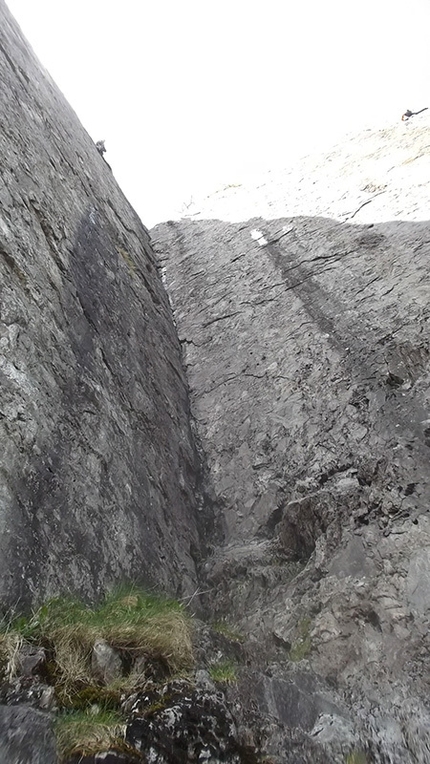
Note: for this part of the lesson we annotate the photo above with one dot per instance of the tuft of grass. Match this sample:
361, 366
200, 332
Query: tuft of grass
228, 631
127, 258
301, 648
81, 733
91, 696
10, 645
356, 757
223, 672
131, 621
15, 631
147, 624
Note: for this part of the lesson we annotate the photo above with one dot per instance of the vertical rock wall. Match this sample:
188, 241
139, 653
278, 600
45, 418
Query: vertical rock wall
98, 469
307, 351
306, 343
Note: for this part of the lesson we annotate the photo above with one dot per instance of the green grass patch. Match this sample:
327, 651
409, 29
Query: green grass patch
81, 733
302, 646
91, 696
10, 644
132, 622
356, 757
228, 631
127, 258
223, 672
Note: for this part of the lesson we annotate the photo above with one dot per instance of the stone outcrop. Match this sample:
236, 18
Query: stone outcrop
188, 723
98, 468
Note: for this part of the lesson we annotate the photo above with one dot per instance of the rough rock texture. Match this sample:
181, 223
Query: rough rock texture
306, 344
26, 736
303, 318
106, 757
106, 663
184, 723
98, 469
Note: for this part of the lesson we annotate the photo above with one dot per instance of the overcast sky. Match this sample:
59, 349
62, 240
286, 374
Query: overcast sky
191, 95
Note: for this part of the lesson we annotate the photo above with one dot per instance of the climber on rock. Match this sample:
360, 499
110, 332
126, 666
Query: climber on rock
101, 148
408, 113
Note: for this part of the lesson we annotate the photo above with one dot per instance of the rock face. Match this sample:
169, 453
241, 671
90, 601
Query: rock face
306, 344
188, 724
98, 468
26, 736
307, 353
304, 332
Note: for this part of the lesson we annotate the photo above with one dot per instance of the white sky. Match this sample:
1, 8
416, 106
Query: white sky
191, 95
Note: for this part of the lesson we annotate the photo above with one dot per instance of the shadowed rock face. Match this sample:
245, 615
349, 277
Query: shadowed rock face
98, 469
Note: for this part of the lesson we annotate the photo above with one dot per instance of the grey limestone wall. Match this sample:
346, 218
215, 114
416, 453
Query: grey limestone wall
98, 468
306, 343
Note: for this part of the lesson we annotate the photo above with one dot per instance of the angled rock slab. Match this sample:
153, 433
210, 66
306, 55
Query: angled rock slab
99, 469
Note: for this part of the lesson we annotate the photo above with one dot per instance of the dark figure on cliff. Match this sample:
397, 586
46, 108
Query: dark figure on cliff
100, 146
408, 113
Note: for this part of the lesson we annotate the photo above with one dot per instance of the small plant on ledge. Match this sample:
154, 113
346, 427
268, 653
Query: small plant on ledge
81, 733
223, 672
